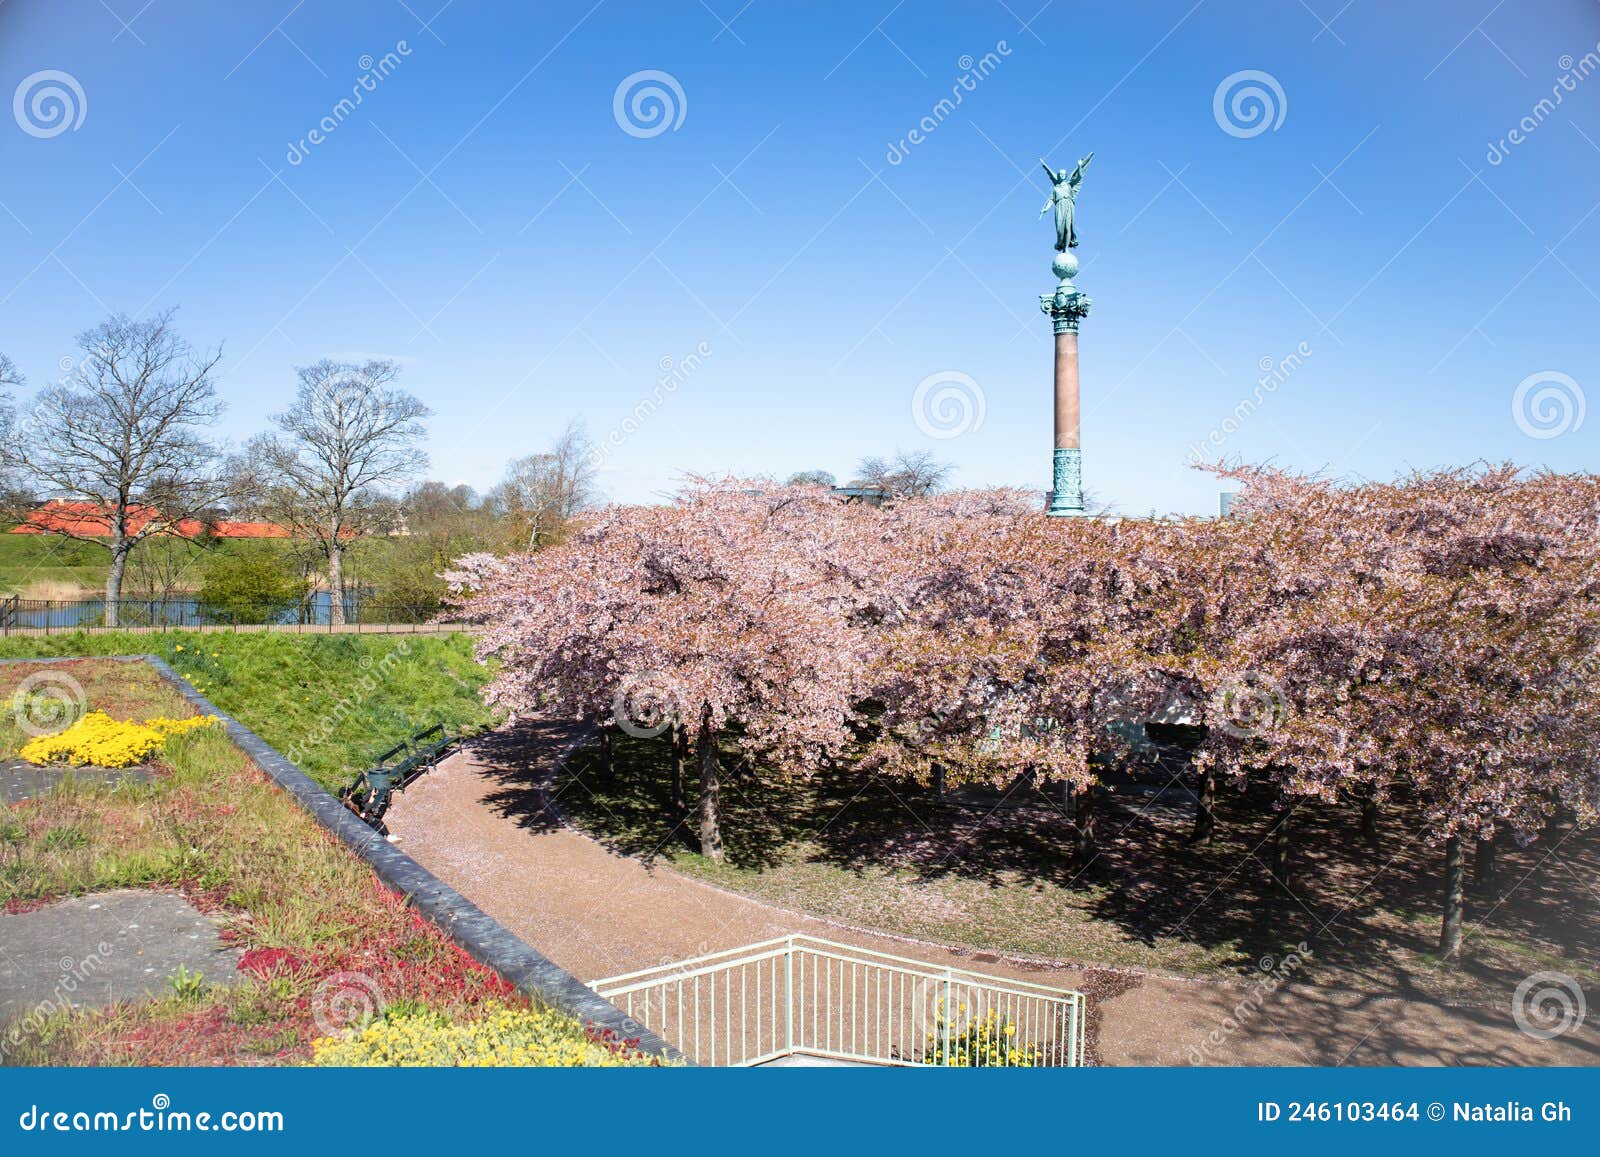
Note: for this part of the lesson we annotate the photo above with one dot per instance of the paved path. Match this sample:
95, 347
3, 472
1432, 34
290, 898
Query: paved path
479, 822
21, 780
93, 950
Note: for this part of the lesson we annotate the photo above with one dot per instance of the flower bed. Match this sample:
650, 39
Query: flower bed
98, 740
502, 1036
325, 950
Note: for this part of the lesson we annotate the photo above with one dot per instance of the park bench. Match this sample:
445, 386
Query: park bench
370, 795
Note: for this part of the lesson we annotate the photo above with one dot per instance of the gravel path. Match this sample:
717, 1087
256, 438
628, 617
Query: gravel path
479, 822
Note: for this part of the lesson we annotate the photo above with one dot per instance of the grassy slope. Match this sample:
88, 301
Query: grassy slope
331, 702
37, 560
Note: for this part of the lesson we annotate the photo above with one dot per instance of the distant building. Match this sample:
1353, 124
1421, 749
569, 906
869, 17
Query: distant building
91, 520
870, 495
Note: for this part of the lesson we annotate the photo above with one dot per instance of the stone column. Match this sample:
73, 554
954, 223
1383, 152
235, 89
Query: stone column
1066, 307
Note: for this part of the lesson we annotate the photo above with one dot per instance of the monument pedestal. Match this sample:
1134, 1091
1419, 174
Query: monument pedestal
1066, 307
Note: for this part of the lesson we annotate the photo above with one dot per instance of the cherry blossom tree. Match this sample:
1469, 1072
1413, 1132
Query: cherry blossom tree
1013, 641
1419, 637
1434, 640
729, 609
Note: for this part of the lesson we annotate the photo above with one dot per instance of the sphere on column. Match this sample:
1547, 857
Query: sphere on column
1065, 265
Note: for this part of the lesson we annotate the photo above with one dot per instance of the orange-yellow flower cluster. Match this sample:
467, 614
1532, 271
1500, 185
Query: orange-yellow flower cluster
100, 741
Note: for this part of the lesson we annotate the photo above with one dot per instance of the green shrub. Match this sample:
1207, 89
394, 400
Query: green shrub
403, 574
251, 587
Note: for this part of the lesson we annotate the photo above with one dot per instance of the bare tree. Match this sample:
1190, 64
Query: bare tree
906, 475
542, 492
122, 438
9, 376
350, 434
813, 478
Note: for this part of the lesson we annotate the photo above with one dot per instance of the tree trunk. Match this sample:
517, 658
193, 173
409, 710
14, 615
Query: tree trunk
1087, 822
1484, 866
680, 752
336, 581
1369, 816
1205, 809
710, 784
1282, 833
1450, 930
119, 563
608, 756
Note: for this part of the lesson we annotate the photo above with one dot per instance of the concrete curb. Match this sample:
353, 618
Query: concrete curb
483, 937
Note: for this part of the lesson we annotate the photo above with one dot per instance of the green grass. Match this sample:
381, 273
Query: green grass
47, 566
331, 703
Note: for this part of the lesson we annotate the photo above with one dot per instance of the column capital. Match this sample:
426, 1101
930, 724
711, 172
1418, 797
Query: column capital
1066, 307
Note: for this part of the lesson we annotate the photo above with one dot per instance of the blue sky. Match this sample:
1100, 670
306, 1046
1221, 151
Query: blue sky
484, 217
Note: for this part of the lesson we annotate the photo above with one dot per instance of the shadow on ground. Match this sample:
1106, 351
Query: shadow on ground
1367, 909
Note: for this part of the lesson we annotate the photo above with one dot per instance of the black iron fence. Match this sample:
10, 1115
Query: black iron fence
19, 616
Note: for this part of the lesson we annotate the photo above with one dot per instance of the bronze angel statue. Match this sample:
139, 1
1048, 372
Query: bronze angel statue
1064, 199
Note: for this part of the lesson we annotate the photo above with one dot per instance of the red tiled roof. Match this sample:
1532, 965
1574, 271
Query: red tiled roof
88, 518
229, 529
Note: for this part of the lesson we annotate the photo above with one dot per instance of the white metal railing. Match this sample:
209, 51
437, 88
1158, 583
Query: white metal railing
801, 995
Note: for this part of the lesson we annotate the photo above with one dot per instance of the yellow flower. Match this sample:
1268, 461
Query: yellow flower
101, 741
501, 1036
